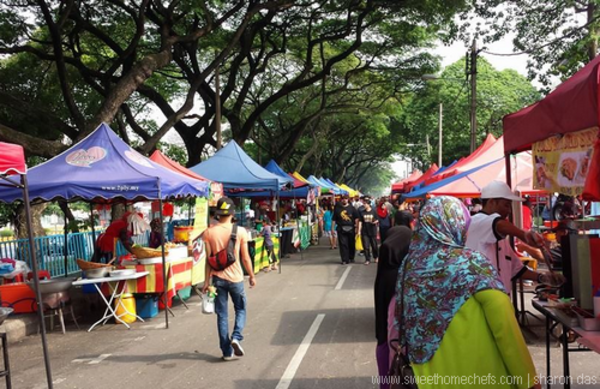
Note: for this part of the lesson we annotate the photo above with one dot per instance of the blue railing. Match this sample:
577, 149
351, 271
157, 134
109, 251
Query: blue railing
50, 251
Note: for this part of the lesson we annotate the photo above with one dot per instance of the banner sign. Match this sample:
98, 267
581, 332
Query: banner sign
216, 192
562, 162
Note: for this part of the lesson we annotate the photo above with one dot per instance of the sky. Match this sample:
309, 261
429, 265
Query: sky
455, 52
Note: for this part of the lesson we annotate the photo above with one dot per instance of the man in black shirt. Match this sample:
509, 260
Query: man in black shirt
367, 229
345, 220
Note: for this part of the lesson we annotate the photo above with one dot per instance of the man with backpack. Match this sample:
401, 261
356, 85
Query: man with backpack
226, 252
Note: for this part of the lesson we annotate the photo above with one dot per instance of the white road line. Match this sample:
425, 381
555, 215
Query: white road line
344, 276
290, 371
92, 361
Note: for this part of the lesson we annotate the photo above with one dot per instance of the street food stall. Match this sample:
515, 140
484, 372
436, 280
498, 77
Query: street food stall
562, 132
102, 168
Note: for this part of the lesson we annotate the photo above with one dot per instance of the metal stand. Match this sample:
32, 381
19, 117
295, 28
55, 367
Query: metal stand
6, 372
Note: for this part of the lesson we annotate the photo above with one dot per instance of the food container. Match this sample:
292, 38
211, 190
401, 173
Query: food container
178, 252
146, 252
182, 233
122, 272
97, 273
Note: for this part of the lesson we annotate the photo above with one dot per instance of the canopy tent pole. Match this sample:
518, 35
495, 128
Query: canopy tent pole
92, 222
65, 248
280, 226
164, 261
511, 239
36, 281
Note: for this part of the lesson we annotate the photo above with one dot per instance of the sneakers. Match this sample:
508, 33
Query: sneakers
237, 348
227, 357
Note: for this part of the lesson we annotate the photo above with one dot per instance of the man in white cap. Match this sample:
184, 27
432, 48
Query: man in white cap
488, 232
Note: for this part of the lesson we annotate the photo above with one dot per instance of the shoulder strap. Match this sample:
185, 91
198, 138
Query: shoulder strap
233, 236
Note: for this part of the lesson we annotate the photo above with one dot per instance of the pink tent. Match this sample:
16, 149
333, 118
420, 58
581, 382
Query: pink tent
573, 106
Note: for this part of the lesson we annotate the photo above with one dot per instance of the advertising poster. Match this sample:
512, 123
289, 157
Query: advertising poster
562, 162
216, 192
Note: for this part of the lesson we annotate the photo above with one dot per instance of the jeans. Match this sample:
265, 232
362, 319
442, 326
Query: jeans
238, 296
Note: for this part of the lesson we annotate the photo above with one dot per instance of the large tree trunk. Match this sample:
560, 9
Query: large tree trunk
36, 217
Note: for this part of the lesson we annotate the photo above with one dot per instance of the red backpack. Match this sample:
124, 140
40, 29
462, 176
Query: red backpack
226, 257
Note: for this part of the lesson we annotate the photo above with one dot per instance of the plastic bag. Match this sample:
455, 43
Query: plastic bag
358, 243
208, 304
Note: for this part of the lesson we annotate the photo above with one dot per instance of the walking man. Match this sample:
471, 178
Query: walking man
367, 229
230, 280
345, 221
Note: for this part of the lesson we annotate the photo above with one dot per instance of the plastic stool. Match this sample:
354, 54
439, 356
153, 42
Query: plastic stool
6, 372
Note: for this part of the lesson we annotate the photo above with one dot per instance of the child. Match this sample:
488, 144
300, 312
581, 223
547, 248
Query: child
269, 246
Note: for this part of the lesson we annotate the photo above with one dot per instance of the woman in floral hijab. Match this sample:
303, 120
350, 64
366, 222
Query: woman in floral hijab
456, 319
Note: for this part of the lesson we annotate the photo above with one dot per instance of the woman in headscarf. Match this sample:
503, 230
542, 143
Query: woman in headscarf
391, 253
456, 319
385, 219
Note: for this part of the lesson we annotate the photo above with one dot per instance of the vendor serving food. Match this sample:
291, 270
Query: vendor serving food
104, 249
489, 229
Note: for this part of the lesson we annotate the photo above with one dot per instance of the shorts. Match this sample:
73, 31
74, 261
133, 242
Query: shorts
330, 234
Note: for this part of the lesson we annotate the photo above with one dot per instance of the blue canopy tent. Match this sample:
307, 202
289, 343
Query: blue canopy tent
300, 189
318, 182
237, 171
422, 193
336, 188
103, 167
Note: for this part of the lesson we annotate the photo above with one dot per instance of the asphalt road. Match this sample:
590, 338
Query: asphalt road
282, 309
312, 326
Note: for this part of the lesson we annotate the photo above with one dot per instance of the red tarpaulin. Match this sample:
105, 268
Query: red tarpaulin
572, 106
12, 159
467, 163
167, 162
399, 186
430, 172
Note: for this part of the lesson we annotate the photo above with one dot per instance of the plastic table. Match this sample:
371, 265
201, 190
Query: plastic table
117, 291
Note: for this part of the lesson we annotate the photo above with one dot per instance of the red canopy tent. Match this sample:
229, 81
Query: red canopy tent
572, 106
12, 163
398, 187
467, 163
167, 162
430, 172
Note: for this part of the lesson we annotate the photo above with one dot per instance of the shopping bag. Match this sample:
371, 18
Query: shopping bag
208, 304
358, 244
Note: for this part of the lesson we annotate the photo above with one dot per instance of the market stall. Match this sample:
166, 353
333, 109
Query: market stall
102, 168
13, 175
242, 178
562, 132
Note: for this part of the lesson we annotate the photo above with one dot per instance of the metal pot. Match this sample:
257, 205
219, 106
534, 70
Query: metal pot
4, 312
55, 285
98, 273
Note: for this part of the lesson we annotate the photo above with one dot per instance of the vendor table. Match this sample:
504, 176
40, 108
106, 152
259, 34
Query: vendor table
179, 275
118, 289
588, 339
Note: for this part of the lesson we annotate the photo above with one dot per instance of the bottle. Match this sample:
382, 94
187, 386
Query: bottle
597, 305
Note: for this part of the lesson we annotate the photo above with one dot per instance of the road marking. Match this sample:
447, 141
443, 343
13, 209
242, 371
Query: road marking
54, 382
153, 326
344, 276
135, 340
92, 361
290, 371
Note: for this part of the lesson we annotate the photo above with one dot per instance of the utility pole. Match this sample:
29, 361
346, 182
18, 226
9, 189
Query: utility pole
473, 111
428, 146
440, 136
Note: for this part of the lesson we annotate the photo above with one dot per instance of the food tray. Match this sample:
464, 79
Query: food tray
85, 265
154, 261
145, 252
122, 272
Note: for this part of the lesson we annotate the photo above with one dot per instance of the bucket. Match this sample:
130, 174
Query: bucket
125, 308
147, 306
182, 233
